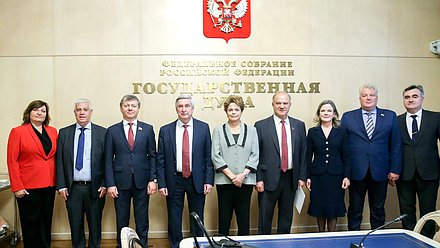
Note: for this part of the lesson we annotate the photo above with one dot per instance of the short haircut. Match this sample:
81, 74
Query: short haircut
281, 92
33, 105
233, 99
185, 96
370, 87
412, 87
83, 100
127, 98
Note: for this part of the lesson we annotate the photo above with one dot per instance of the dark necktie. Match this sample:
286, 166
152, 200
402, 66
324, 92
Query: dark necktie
415, 128
284, 149
130, 136
186, 172
369, 126
80, 150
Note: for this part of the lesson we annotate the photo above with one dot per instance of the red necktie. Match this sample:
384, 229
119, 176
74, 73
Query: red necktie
284, 150
130, 136
186, 172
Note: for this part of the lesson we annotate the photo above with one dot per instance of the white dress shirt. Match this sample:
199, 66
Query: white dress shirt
179, 141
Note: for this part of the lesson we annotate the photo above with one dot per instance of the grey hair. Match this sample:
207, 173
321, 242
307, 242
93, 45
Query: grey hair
281, 92
185, 96
83, 100
370, 87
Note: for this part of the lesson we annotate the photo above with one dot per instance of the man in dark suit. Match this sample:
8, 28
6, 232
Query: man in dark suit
421, 164
282, 166
184, 167
130, 167
80, 174
375, 143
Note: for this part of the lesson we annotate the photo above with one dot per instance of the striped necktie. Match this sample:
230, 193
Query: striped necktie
369, 125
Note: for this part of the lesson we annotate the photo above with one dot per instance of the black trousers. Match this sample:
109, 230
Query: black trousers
232, 198
81, 202
36, 211
377, 193
284, 194
426, 192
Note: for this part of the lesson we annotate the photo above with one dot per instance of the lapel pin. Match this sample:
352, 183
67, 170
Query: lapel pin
140, 128
382, 115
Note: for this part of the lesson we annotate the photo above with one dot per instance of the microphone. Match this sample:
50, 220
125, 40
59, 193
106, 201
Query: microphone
223, 243
361, 244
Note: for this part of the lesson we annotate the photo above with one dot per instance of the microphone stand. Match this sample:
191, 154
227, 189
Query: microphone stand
361, 244
224, 243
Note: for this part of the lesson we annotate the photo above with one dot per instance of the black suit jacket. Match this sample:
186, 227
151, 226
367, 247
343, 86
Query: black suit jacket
65, 157
423, 153
269, 166
327, 155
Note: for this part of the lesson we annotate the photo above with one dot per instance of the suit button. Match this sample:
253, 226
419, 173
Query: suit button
327, 155
326, 142
326, 149
326, 161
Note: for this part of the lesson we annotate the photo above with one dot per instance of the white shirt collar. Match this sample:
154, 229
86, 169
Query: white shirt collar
180, 123
88, 126
125, 122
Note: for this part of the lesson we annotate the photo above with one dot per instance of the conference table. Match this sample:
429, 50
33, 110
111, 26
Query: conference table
395, 238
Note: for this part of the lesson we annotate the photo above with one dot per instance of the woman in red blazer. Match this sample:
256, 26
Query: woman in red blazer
31, 165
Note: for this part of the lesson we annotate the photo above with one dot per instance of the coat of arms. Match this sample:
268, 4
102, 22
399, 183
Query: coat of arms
226, 19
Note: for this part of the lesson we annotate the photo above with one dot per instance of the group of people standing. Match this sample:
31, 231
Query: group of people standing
364, 152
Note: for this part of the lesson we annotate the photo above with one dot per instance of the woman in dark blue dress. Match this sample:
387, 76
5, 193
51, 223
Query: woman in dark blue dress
328, 174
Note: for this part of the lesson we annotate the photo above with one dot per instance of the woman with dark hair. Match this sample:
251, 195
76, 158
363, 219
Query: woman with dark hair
235, 158
328, 173
31, 165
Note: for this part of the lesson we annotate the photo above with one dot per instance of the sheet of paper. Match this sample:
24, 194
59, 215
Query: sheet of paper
300, 196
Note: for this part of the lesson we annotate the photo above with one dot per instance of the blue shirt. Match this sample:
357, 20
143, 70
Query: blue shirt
85, 174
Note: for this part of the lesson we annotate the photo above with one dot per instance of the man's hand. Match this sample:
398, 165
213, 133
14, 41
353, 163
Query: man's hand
63, 194
102, 192
113, 192
151, 188
163, 191
392, 178
259, 186
207, 188
309, 184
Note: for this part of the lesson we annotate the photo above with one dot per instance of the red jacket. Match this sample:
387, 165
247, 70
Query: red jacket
28, 165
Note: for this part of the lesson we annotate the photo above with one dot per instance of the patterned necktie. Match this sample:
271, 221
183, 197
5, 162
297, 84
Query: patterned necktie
369, 126
284, 150
80, 150
186, 172
130, 136
415, 128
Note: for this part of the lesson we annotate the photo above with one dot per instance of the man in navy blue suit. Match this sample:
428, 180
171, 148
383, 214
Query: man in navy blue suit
375, 156
184, 167
130, 167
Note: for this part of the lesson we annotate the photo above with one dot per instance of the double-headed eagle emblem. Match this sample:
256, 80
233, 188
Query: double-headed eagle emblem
227, 17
